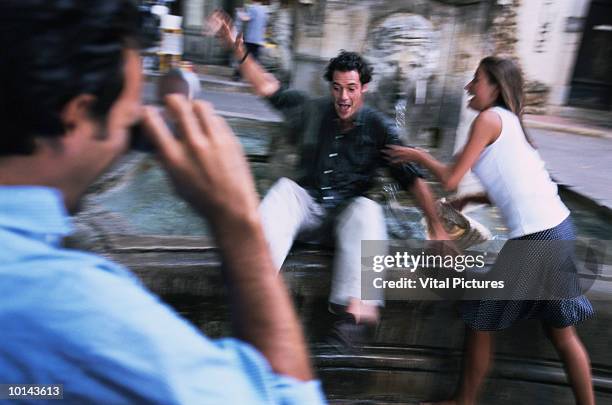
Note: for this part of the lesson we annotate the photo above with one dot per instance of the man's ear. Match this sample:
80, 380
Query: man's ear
77, 111
364, 87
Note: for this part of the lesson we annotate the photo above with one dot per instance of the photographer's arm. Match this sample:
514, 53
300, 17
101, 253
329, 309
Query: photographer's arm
208, 169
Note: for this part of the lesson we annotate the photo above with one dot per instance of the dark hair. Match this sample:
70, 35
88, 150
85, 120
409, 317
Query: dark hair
52, 51
507, 76
347, 61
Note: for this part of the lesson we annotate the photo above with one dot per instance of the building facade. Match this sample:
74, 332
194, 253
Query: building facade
424, 51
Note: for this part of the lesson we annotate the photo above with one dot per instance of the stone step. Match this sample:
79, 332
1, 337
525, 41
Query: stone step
417, 348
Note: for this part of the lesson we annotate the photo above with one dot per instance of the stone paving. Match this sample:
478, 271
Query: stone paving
581, 163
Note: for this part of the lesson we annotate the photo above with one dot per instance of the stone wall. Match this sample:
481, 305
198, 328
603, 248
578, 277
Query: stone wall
504, 28
422, 52
505, 37
549, 35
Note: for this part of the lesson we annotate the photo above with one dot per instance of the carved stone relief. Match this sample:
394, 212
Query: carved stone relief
403, 47
404, 51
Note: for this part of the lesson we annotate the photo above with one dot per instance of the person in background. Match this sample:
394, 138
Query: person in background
70, 86
516, 181
252, 23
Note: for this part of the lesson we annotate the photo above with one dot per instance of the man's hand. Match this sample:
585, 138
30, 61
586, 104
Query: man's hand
437, 232
220, 24
436, 229
458, 203
441, 242
206, 163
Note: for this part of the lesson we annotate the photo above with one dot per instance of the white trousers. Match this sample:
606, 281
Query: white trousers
288, 213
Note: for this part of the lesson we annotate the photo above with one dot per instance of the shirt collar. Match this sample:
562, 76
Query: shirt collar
360, 116
34, 209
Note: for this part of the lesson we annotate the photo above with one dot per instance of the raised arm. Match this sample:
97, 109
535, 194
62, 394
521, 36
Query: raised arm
208, 169
264, 84
485, 130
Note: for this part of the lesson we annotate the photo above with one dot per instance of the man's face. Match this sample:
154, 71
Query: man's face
348, 93
126, 110
100, 144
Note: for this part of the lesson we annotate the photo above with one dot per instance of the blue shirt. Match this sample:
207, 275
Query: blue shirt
73, 318
256, 26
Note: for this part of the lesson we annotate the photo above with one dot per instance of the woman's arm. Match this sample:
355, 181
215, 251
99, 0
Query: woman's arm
485, 130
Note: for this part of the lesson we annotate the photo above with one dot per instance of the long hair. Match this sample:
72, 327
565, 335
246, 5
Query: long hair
507, 76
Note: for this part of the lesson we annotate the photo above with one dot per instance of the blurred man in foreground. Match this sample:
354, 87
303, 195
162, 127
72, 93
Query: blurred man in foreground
70, 81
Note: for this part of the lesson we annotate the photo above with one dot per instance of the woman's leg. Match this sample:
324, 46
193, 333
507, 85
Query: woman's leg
476, 364
477, 360
575, 360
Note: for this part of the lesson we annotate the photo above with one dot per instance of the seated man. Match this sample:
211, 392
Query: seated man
70, 84
340, 141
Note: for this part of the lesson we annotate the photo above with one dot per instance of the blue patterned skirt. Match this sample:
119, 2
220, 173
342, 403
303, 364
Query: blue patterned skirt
491, 315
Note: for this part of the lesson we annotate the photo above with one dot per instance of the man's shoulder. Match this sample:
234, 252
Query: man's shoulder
322, 103
377, 123
41, 263
289, 97
373, 115
313, 98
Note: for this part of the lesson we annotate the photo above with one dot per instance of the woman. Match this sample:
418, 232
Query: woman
513, 175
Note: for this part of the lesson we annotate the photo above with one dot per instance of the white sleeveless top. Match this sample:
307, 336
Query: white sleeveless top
516, 181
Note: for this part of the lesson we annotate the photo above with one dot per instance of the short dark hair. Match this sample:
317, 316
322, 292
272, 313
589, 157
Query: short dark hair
347, 61
52, 51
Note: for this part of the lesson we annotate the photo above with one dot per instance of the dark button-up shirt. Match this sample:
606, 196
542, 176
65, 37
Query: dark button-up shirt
337, 165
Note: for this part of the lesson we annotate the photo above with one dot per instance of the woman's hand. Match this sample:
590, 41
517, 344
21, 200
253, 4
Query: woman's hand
397, 154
